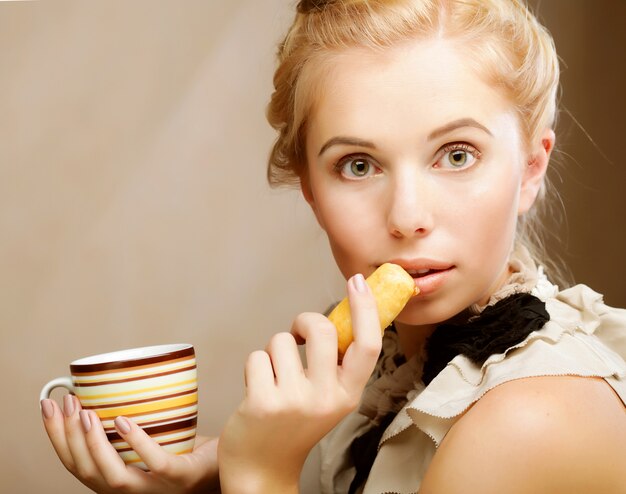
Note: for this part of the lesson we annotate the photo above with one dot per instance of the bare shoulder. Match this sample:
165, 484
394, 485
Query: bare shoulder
536, 435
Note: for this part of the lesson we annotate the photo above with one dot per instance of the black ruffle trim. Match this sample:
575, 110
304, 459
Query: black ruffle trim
497, 328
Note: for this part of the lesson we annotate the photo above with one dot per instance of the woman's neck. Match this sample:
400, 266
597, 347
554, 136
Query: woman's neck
412, 339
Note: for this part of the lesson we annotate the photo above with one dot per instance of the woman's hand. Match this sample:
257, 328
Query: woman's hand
81, 443
288, 408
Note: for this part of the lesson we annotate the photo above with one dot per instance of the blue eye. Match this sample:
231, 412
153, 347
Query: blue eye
356, 167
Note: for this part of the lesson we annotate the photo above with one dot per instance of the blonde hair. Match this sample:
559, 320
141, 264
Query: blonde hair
504, 40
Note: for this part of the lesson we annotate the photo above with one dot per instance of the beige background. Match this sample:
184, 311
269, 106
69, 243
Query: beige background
133, 203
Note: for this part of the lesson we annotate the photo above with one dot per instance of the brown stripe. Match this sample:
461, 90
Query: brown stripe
190, 430
138, 378
137, 402
109, 430
119, 440
154, 423
78, 369
139, 414
174, 441
159, 429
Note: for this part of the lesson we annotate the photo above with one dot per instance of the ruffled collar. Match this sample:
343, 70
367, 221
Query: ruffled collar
525, 276
583, 337
396, 380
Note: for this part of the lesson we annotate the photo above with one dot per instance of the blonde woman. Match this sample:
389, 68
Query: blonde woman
420, 133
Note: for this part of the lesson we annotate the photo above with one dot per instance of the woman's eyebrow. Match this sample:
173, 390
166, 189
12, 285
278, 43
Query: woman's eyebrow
351, 141
456, 124
449, 127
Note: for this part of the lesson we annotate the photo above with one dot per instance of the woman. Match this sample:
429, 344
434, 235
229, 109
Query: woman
420, 132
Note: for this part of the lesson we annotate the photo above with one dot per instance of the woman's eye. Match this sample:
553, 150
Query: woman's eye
355, 167
457, 156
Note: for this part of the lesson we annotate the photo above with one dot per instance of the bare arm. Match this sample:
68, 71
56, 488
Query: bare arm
539, 435
288, 407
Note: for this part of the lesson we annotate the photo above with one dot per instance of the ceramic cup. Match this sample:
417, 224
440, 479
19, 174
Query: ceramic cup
155, 386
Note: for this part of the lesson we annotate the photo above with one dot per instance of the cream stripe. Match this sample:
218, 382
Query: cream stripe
146, 382
105, 368
140, 398
126, 374
177, 436
179, 448
176, 383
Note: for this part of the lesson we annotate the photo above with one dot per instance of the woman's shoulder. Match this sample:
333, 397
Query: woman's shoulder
534, 406
539, 434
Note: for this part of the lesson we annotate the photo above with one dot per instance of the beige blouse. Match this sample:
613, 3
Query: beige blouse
584, 337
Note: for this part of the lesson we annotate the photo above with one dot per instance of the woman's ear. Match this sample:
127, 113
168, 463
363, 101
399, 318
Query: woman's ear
307, 192
535, 170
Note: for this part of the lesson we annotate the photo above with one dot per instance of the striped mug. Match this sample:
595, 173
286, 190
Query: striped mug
155, 386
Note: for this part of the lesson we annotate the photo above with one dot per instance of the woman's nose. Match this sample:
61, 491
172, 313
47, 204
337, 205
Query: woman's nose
410, 212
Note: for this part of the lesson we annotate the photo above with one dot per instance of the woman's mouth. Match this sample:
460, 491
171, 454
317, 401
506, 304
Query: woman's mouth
420, 273
429, 274
430, 280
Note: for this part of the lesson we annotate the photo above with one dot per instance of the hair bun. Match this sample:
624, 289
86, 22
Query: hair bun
307, 6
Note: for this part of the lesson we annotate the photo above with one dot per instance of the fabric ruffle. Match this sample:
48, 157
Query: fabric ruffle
394, 380
575, 315
581, 353
498, 327
584, 337
394, 383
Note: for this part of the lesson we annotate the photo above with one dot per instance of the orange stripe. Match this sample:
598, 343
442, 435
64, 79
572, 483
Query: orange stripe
138, 460
118, 404
143, 408
160, 411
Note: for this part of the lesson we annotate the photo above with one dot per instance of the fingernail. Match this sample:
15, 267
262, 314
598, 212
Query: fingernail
68, 405
122, 425
84, 418
47, 409
359, 283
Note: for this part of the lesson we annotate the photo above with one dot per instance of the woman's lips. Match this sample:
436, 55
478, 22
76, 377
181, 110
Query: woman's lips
429, 273
432, 280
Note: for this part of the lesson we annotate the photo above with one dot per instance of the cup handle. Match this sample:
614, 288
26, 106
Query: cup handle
59, 382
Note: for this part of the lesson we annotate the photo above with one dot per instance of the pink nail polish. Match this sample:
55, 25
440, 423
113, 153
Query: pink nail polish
85, 420
122, 425
47, 409
68, 405
359, 283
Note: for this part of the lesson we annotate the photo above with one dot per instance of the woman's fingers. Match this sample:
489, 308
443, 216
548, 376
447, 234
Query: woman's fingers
84, 466
156, 458
82, 444
54, 423
286, 362
321, 341
259, 375
321, 347
362, 354
109, 463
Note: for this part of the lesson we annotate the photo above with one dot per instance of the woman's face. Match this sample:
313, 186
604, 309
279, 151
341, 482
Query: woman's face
412, 158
